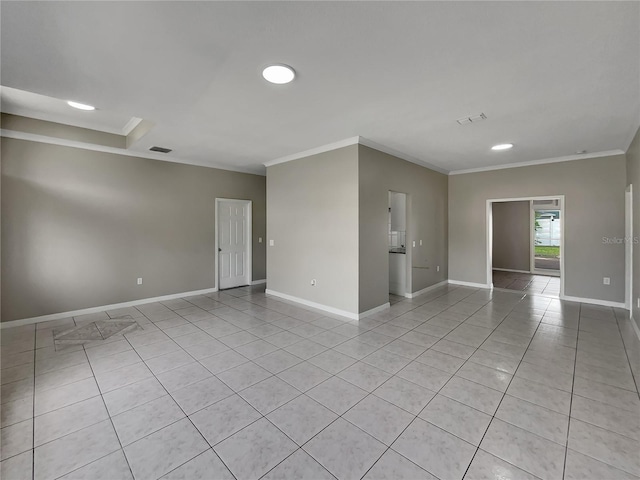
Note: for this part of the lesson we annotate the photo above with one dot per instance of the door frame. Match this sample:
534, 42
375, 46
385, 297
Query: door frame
628, 249
408, 281
489, 234
249, 242
532, 242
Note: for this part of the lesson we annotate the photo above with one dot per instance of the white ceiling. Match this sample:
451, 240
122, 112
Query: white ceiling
552, 77
28, 104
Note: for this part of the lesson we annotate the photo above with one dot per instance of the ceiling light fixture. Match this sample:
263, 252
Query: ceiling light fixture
80, 106
279, 74
502, 146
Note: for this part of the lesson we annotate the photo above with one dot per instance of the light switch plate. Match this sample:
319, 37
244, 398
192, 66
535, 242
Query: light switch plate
606, 281
271, 243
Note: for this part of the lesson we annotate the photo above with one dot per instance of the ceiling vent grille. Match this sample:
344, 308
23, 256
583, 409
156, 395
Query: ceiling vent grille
471, 119
160, 149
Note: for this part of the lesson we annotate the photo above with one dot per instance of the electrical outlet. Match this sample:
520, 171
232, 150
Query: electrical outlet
140, 281
414, 243
606, 281
314, 282
259, 239
271, 243
420, 242
438, 268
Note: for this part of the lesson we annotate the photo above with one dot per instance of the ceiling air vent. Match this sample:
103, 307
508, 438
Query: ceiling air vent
160, 149
471, 119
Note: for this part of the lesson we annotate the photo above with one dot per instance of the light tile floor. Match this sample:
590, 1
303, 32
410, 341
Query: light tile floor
524, 282
457, 383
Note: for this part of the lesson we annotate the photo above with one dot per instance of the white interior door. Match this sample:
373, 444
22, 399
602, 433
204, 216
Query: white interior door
234, 244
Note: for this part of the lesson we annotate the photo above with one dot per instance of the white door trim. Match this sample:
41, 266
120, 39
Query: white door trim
628, 249
249, 242
489, 234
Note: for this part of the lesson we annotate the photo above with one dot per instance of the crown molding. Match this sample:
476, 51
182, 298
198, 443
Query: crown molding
354, 141
568, 158
70, 122
296, 156
390, 151
314, 151
120, 151
130, 125
633, 134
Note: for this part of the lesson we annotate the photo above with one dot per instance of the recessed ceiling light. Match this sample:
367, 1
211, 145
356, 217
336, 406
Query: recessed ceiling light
278, 74
80, 106
502, 146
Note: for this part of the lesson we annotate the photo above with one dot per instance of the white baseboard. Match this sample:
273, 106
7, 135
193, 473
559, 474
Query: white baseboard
308, 303
327, 308
259, 282
510, 270
522, 292
592, 301
469, 284
377, 309
425, 290
634, 324
84, 311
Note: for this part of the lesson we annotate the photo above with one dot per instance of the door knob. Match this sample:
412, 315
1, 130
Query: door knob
219, 249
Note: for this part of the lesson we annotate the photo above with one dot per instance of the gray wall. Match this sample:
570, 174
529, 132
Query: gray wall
594, 208
427, 220
512, 235
633, 178
78, 227
312, 216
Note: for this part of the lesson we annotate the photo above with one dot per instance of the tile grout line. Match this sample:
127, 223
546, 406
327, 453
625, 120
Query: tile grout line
303, 360
108, 414
33, 406
100, 393
80, 401
300, 447
262, 416
624, 345
502, 398
353, 338
439, 390
75, 403
172, 423
512, 377
573, 381
380, 348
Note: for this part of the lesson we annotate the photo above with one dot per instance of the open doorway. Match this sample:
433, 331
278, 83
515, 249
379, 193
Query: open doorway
546, 220
525, 245
628, 247
397, 244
